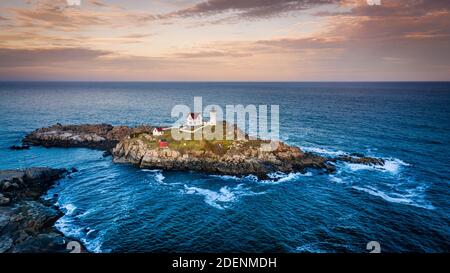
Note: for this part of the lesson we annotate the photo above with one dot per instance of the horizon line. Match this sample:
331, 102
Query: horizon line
220, 81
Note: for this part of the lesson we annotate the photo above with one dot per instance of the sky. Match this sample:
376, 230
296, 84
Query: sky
225, 40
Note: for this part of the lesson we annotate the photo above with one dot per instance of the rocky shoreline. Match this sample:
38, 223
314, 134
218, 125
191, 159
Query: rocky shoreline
139, 147
26, 220
95, 136
240, 158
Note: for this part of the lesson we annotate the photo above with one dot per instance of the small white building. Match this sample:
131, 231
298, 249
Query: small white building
158, 131
194, 119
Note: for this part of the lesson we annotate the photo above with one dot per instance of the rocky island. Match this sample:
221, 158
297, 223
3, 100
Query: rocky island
140, 146
26, 221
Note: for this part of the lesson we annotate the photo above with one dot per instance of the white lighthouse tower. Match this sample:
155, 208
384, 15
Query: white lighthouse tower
212, 117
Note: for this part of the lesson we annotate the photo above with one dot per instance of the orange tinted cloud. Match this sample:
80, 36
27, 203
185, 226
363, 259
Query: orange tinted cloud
399, 40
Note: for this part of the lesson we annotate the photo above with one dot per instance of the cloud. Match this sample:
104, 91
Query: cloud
389, 8
49, 56
212, 54
57, 15
400, 40
303, 43
79, 63
247, 8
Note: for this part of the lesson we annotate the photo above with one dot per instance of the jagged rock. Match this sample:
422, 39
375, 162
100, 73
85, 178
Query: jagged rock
4, 200
5, 243
96, 136
41, 243
240, 158
26, 222
361, 159
32, 217
32, 182
21, 147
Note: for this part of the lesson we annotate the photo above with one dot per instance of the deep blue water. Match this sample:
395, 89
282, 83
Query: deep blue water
116, 208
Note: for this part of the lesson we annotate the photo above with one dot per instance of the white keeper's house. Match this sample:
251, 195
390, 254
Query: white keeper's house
194, 119
158, 131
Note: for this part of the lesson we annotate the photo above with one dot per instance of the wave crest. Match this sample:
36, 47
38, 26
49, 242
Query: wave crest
222, 198
399, 198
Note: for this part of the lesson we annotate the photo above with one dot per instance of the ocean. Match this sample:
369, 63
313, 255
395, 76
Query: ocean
403, 205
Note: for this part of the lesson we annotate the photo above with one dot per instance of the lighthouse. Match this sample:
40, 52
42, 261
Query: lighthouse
213, 117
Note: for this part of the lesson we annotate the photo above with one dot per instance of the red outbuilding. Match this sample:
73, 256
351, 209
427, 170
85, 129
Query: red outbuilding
163, 144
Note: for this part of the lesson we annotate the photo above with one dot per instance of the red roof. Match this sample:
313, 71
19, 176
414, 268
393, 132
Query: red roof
159, 129
194, 115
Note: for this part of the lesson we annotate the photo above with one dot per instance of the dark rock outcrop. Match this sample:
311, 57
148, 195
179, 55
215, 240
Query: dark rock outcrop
19, 147
26, 221
96, 136
361, 159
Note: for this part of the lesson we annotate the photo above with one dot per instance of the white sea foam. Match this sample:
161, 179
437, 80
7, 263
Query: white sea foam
400, 199
66, 226
69, 228
323, 151
336, 179
159, 177
94, 245
227, 177
69, 208
213, 198
151, 171
279, 177
392, 166
86, 213
220, 199
156, 174
276, 178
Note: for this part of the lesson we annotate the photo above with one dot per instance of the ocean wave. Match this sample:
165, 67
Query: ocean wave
94, 245
323, 151
159, 177
86, 213
336, 179
400, 199
212, 198
220, 199
309, 248
68, 226
156, 174
150, 170
391, 165
226, 177
274, 178
68, 209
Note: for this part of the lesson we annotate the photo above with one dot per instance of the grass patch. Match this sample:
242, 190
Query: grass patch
217, 147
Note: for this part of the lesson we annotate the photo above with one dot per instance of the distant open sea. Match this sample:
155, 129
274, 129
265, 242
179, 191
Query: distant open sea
120, 208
